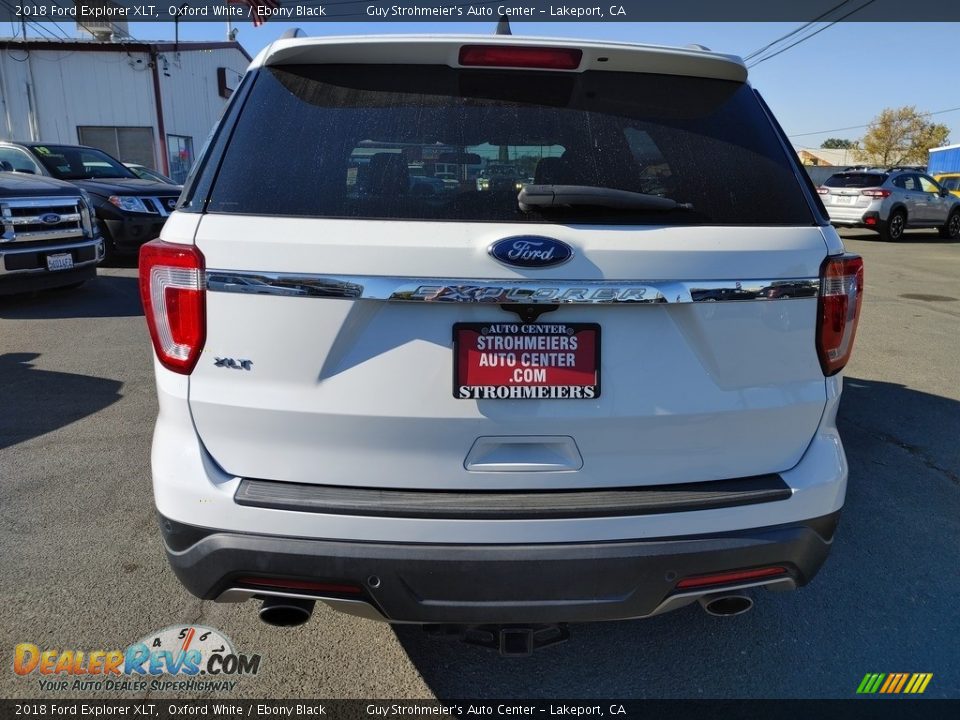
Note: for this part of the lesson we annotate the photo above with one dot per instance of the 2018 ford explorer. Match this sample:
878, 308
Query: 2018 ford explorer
607, 394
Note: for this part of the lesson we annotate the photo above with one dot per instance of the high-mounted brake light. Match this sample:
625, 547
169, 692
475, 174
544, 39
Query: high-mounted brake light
546, 58
875, 193
838, 312
172, 291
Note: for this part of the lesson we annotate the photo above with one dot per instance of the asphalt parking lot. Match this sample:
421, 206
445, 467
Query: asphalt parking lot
81, 564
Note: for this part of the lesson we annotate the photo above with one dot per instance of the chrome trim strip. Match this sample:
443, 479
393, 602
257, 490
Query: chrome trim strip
50, 201
508, 292
56, 234
35, 219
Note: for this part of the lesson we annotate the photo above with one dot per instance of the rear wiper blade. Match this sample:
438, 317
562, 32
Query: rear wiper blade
541, 196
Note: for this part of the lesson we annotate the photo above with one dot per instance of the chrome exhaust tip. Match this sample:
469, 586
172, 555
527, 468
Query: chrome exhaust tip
286, 612
726, 605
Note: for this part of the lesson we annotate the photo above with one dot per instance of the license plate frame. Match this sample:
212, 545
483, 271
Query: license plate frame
584, 374
57, 262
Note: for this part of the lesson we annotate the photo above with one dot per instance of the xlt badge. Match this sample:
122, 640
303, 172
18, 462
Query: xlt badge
231, 363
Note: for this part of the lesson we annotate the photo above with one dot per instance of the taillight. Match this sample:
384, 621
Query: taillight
876, 193
838, 312
172, 291
546, 58
823, 190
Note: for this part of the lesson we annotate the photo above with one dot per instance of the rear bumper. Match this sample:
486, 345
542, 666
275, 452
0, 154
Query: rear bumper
477, 584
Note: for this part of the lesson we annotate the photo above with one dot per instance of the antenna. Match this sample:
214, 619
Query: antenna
503, 27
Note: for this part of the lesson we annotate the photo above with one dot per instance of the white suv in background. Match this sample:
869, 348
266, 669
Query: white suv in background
604, 394
890, 202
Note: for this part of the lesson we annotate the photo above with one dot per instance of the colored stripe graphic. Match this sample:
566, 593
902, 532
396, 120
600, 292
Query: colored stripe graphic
894, 683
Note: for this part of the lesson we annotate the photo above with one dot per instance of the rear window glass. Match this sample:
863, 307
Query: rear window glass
431, 143
855, 180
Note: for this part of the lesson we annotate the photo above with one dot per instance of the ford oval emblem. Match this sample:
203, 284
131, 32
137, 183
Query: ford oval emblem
49, 218
531, 251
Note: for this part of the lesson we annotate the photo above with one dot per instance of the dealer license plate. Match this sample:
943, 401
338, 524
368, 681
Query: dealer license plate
526, 361
59, 261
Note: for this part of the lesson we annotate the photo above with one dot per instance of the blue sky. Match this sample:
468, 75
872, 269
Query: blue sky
841, 77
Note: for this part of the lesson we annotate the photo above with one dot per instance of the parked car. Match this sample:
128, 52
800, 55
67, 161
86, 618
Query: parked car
131, 211
423, 186
890, 202
499, 178
422, 435
48, 233
145, 173
450, 181
949, 181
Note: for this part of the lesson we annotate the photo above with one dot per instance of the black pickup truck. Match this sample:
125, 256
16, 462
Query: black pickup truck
48, 234
131, 211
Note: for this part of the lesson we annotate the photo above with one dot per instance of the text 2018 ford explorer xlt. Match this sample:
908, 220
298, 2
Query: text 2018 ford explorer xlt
605, 391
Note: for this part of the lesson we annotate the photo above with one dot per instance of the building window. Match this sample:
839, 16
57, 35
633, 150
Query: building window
126, 144
180, 155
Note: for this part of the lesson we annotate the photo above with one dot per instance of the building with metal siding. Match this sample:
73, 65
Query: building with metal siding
149, 103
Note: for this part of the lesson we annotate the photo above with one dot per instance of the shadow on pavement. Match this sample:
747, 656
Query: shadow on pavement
884, 599
35, 402
121, 261
104, 296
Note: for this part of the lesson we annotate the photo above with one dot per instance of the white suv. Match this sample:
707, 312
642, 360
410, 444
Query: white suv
603, 393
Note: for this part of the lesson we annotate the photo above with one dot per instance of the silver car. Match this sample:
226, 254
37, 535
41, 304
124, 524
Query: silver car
890, 201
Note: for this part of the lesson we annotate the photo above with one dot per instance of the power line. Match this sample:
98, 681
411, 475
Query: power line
857, 127
807, 37
794, 32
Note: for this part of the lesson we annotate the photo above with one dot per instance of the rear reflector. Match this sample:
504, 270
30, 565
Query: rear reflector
841, 295
546, 58
299, 585
172, 291
730, 577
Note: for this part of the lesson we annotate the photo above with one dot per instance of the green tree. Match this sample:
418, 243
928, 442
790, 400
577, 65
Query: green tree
901, 136
838, 144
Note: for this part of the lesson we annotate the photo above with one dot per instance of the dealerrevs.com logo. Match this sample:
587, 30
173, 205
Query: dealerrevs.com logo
178, 658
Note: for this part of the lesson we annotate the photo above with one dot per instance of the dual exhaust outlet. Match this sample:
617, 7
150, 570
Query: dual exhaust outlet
291, 612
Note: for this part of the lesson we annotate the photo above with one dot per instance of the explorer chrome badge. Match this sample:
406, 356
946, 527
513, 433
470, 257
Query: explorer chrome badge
530, 251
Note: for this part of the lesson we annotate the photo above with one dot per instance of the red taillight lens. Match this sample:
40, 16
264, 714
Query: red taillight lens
546, 58
730, 577
841, 295
172, 291
823, 190
875, 193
